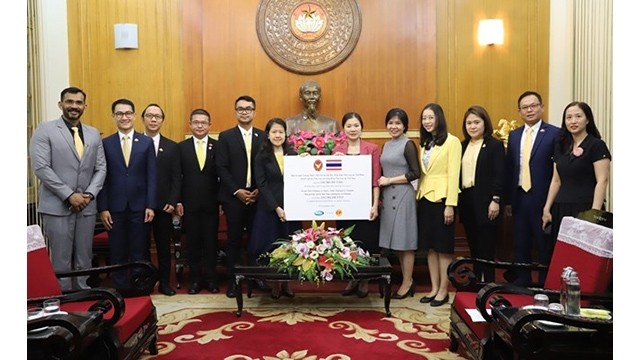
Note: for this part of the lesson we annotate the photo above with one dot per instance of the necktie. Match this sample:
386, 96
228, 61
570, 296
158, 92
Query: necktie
247, 145
126, 149
77, 141
526, 155
200, 154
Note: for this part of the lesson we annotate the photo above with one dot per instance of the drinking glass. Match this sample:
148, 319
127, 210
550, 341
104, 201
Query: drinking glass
34, 313
51, 306
541, 300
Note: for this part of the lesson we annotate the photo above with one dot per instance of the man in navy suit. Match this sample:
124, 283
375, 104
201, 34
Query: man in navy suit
128, 197
238, 191
199, 202
528, 182
169, 180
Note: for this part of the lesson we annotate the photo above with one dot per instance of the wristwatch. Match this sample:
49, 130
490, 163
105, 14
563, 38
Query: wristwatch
496, 199
90, 195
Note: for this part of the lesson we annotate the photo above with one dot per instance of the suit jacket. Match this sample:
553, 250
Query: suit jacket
169, 173
270, 181
541, 163
134, 186
440, 179
56, 163
231, 161
199, 187
488, 180
366, 148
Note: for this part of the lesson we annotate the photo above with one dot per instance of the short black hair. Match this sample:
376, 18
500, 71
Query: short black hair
123, 102
400, 114
246, 98
72, 90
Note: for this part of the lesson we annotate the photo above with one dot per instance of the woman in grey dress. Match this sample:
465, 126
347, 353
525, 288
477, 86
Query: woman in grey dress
398, 215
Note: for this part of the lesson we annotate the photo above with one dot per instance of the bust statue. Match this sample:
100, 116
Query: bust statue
309, 119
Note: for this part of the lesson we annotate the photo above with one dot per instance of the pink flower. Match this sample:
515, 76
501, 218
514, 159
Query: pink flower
318, 142
577, 152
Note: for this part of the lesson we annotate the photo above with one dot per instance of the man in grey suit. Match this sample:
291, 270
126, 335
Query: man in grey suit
69, 160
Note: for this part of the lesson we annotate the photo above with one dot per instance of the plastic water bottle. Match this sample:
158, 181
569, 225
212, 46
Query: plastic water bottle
570, 291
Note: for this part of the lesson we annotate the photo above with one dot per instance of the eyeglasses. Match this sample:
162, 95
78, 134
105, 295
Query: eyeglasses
199, 123
244, 109
128, 114
527, 107
151, 116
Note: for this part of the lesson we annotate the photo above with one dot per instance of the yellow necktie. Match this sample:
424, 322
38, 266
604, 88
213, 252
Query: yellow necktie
526, 155
247, 145
200, 154
126, 149
77, 141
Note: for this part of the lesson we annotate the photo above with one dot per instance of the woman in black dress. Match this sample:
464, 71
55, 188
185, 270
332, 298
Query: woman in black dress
582, 164
270, 223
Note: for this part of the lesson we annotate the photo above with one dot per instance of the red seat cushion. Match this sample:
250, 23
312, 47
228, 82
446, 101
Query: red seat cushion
467, 300
41, 279
101, 239
137, 309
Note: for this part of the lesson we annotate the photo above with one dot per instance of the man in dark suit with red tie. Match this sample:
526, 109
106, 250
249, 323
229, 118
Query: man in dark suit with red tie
529, 170
238, 147
169, 180
199, 202
128, 196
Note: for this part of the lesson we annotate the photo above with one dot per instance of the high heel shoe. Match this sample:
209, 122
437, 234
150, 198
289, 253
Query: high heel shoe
286, 291
436, 303
351, 289
427, 299
410, 292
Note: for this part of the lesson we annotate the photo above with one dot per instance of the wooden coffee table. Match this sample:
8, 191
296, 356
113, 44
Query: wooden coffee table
381, 271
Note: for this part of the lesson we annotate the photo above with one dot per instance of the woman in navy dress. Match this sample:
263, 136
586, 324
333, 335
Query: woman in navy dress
582, 164
270, 223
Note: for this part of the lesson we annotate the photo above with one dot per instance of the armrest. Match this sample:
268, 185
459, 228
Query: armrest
106, 299
524, 335
490, 294
463, 278
144, 276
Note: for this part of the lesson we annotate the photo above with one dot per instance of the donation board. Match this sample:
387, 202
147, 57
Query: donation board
327, 187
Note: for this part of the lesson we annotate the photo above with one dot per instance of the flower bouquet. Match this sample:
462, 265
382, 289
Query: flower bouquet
307, 142
317, 254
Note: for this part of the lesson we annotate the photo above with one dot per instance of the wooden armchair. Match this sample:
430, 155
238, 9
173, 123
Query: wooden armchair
128, 317
585, 246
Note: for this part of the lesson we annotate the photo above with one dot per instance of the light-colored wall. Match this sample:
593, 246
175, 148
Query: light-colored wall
54, 55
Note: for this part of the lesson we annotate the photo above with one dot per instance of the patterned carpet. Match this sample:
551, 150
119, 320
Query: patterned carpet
311, 326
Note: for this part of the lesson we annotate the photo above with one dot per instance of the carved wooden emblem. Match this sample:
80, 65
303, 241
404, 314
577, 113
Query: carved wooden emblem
308, 37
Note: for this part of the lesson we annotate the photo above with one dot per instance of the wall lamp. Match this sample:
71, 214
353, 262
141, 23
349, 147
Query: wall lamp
126, 36
491, 32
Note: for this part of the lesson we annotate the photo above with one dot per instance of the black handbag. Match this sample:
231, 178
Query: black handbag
600, 217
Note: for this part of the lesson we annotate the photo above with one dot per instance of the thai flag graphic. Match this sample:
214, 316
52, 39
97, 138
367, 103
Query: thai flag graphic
333, 164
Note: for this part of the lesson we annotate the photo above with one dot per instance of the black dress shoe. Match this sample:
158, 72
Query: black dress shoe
212, 286
232, 290
194, 288
436, 303
166, 289
261, 285
427, 299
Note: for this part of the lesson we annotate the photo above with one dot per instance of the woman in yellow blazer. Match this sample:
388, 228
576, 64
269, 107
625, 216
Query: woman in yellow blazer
437, 195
